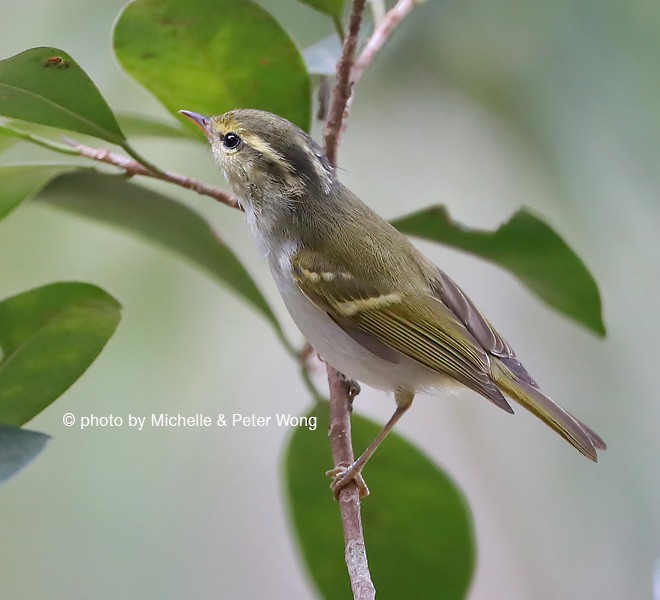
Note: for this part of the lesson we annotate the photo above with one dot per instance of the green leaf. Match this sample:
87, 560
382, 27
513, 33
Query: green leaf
142, 125
20, 182
528, 248
18, 447
332, 8
418, 528
45, 85
6, 140
49, 336
155, 217
213, 55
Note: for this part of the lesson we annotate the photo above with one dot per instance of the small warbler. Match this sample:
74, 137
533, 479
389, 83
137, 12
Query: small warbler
364, 297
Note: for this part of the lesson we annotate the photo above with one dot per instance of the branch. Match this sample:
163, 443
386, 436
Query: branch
133, 167
342, 90
340, 395
384, 30
349, 497
348, 76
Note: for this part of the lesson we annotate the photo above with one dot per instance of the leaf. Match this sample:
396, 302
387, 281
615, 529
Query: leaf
45, 85
18, 447
418, 527
111, 199
49, 336
142, 125
211, 56
6, 140
20, 182
528, 248
332, 8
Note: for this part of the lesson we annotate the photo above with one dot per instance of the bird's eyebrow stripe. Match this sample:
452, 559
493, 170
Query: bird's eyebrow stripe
261, 145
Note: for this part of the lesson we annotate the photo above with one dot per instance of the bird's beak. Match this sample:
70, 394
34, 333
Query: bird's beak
201, 121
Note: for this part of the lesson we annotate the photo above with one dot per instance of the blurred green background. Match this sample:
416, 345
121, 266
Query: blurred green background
482, 106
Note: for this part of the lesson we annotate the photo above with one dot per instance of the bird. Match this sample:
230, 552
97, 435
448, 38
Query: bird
365, 298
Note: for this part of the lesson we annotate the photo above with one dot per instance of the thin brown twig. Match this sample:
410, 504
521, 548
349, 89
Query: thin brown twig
342, 90
340, 398
133, 167
349, 497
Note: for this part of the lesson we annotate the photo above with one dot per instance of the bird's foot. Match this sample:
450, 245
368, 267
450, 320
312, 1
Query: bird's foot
352, 387
343, 475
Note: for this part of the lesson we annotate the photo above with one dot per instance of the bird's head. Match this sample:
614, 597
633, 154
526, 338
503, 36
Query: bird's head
263, 154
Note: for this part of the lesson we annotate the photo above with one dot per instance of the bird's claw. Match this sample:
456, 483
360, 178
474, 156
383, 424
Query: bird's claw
343, 475
352, 387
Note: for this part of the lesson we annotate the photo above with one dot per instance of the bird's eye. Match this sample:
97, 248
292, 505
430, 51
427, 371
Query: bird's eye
231, 141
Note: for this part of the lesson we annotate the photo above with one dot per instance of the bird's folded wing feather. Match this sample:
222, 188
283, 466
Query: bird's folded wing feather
414, 324
446, 291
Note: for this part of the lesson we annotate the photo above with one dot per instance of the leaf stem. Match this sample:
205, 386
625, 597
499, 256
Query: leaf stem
309, 384
303, 358
339, 27
37, 139
288, 346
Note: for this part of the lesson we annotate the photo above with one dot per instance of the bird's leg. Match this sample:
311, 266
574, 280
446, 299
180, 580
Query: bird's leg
343, 475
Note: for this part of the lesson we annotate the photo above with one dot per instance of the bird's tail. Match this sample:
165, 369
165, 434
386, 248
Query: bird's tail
535, 401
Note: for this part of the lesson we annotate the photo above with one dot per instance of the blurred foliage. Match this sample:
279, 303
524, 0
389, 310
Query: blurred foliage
575, 81
526, 247
21, 182
6, 140
332, 8
19, 447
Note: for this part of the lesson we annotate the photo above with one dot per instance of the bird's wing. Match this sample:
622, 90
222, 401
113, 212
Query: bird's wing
382, 320
446, 291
